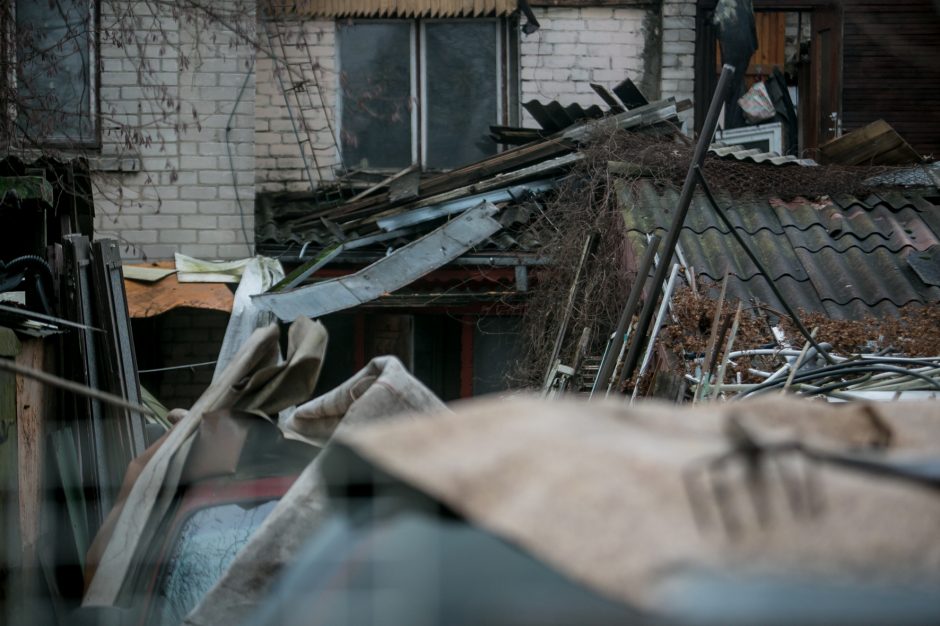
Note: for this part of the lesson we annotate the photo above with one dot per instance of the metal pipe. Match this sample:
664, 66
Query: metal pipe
611, 356
760, 266
672, 237
657, 325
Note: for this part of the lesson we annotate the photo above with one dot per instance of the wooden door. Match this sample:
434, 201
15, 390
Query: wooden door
823, 112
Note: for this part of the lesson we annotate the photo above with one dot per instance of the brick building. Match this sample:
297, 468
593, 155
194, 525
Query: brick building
220, 129
268, 97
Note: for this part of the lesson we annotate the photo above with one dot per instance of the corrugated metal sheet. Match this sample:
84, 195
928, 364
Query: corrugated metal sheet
752, 155
391, 8
388, 274
845, 257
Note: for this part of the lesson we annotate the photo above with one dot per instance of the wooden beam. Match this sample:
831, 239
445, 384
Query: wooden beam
466, 355
9, 482
32, 402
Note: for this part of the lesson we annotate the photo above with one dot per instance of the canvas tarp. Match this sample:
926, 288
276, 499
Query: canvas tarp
382, 389
620, 497
257, 380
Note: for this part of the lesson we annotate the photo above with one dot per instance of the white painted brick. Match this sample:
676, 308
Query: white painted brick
158, 222
216, 236
200, 222
175, 236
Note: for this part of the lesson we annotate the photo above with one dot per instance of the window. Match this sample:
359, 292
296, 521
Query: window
423, 91
55, 77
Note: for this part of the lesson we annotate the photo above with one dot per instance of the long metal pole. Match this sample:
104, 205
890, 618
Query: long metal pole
672, 237
613, 350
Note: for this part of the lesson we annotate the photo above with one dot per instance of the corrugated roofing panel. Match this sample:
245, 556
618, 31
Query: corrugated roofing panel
383, 8
846, 259
740, 153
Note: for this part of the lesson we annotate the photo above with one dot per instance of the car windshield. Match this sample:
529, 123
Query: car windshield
205, 546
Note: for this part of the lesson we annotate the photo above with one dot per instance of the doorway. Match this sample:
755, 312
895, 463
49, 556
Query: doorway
801, 44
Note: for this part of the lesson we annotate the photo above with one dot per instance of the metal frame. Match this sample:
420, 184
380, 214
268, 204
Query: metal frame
772, 133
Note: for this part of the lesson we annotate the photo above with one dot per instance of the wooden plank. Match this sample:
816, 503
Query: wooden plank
875, 144
32, 402
9, 461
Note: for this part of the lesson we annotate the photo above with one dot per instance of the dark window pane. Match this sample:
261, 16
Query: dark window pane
461, 91
207, 543
54, 65
375, 80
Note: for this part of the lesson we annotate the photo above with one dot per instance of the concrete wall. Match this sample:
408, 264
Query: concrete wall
174, 81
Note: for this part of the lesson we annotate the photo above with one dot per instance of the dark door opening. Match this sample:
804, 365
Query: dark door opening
803, 42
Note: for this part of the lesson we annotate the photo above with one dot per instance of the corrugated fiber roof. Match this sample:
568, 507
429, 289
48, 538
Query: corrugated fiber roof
846, 256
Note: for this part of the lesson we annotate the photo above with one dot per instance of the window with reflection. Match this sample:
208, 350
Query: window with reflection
423, 91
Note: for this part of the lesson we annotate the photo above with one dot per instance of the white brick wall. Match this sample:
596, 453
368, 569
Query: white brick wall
573, 48
185, 197
177, 90
576, 47
277, 152
678, 53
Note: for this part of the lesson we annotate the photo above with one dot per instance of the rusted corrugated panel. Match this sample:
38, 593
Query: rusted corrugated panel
392, 8
146, 299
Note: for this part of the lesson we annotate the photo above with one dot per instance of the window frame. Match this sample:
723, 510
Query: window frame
10, 58
507, 83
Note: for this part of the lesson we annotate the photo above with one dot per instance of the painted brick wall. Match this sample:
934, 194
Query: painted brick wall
185, 197
578, 46
310, 51
573, 48
678, 52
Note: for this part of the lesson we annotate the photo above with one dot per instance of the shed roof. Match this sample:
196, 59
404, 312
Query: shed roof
847, 257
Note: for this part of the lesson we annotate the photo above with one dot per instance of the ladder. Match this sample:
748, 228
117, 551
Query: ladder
301, 80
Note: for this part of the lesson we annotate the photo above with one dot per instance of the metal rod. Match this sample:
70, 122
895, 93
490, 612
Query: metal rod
68, 385
611, 356
760, 266
49, 319
657, 325
672, 237
713, 338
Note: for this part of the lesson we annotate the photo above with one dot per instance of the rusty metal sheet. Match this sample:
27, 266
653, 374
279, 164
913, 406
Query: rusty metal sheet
146, 299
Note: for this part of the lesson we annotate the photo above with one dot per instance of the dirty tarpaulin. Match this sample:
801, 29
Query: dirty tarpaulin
642, 496
259, 274
256, 380
382, 389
